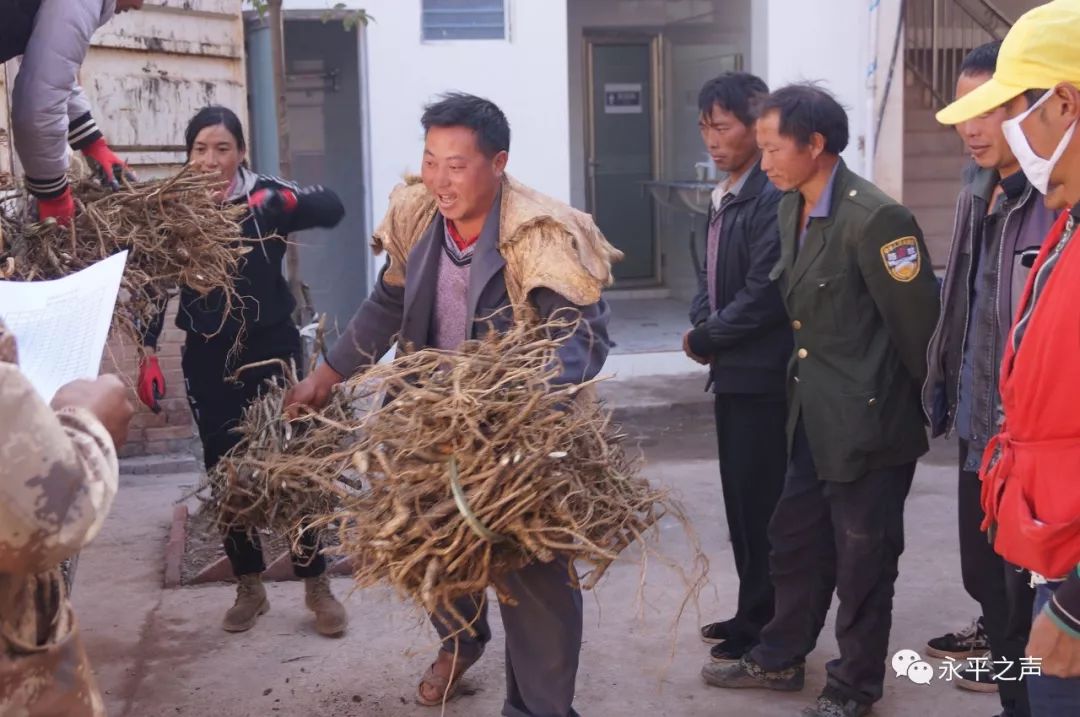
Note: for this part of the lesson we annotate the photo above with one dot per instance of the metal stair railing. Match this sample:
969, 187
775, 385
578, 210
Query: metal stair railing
939, 33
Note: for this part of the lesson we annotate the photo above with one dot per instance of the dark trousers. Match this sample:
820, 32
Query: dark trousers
1052, 696
543, 638
1002, 590
218, 406
750, 432
842, 536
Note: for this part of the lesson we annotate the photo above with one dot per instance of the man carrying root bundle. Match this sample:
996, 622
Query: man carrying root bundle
470, 251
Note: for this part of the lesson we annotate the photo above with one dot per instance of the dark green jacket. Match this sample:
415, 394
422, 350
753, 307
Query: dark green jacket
863, 302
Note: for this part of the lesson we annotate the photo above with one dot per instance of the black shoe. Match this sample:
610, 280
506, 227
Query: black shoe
977, 678
832, 704
729, 651
969, 642
748, 674
717, 632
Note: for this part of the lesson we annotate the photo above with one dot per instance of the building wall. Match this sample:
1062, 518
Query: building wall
833, 47
889, 152
526, 76
172, 430
149, 71
829, 47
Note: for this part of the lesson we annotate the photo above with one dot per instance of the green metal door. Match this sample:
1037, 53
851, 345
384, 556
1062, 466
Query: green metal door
621, 158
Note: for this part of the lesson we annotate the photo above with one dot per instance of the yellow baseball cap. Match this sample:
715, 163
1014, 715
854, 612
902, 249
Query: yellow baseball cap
1041, 50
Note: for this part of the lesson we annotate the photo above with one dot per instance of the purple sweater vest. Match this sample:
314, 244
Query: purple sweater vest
449, 323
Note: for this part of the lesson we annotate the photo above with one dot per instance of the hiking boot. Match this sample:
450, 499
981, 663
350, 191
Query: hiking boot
969, 642
250, 603
748, 674
977, 675
832, 704
330, 617
716, 632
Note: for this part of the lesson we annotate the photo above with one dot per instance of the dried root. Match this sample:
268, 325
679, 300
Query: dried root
480, 463
283, 473
176, 232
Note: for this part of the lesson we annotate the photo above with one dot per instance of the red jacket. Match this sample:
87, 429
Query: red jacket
1031, 470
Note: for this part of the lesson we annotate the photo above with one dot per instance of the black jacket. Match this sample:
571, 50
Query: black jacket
263, 292
748, 338
18, 23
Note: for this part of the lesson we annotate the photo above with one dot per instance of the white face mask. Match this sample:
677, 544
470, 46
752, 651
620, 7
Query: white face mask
1036, 168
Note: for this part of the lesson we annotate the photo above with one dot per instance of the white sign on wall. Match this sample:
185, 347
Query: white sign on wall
622, 98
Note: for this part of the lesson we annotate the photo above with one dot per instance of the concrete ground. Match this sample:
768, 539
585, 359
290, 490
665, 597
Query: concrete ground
162, 652
647, 325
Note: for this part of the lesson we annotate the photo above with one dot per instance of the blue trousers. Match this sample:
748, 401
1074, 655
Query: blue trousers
1052, 696
543, 638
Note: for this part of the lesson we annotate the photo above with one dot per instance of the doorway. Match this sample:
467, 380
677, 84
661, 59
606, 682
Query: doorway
622, 149
323, 101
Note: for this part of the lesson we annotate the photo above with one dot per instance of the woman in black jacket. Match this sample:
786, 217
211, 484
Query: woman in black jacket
220, 340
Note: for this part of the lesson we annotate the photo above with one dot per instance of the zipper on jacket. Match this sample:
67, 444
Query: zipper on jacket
995, 362
1038, 285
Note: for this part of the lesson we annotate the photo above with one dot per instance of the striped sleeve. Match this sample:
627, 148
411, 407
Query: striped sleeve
83, 131
1064, 606
47, 188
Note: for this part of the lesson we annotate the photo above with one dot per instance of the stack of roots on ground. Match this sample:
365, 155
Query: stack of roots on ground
175, 231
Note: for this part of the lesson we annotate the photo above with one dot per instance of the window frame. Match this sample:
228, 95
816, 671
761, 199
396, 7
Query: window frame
450, 40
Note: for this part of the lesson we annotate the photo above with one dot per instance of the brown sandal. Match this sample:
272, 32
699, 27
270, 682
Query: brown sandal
447, 687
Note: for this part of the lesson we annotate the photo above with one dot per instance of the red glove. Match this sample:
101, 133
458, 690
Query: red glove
273, 200
151, 387
108, 167
61, 208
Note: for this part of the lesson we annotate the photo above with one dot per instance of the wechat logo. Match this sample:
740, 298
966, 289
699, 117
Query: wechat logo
909, 664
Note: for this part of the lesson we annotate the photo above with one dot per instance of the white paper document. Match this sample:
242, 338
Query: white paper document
61, 326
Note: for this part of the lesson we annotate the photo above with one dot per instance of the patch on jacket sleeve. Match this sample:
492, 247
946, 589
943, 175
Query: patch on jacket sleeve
902, 259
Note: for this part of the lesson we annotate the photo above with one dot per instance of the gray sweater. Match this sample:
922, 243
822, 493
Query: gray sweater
449, 317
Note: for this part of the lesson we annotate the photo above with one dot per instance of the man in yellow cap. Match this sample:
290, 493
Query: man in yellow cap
1031, 472
1001, 224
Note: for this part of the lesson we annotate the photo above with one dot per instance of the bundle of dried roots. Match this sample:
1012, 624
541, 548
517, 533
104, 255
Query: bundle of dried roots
282, 473
482, 463
177, 234
478, 463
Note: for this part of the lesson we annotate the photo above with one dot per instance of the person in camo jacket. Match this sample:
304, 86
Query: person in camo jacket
58, 476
